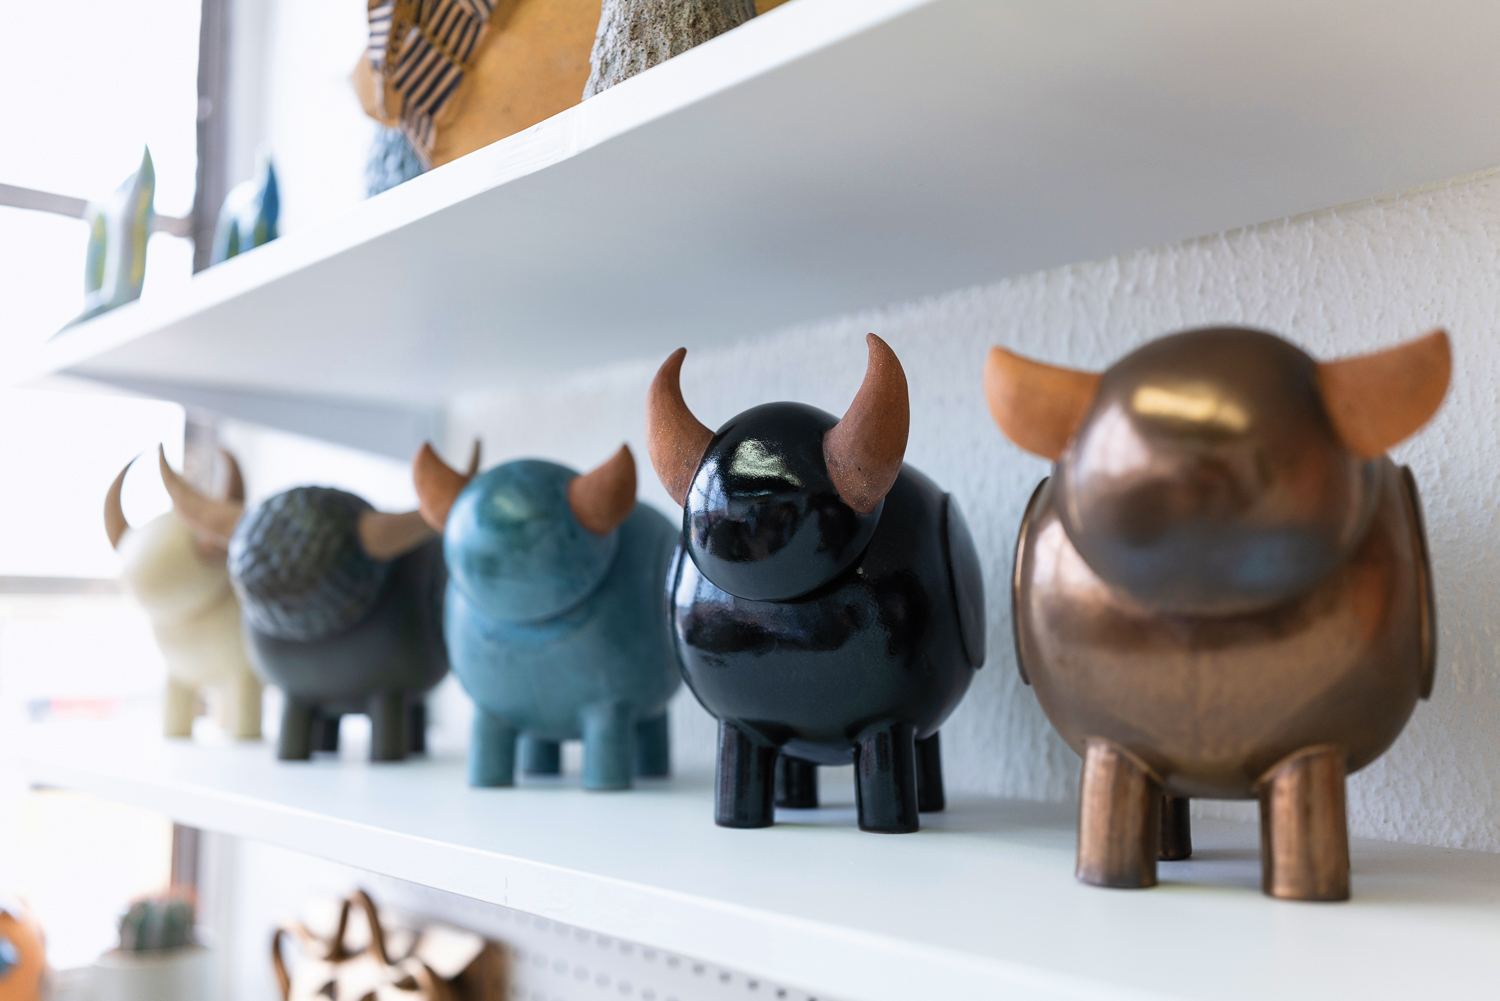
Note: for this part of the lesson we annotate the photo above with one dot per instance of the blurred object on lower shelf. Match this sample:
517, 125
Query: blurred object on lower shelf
159, 957
23, 959
249, 214
119, 226
390, 962
454, 78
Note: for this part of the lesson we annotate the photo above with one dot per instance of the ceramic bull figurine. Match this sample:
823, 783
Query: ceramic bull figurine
179, 578
1223, 589
342, 607
554, 618
826, 599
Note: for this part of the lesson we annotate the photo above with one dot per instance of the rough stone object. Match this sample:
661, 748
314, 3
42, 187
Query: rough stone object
635, 35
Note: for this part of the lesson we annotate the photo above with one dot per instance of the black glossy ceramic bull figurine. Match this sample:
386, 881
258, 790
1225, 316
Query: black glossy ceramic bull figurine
826, 599
343, 610
1223, 590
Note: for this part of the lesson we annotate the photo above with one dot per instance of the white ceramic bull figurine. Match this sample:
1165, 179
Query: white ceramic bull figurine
179, 578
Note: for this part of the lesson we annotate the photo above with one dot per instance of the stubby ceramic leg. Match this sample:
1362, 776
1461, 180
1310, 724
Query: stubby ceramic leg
416, 726
1176, 829
607, 731
1304, 834
540, 757
178, 710
492, 754
746, 780
930, 798
295, 742
1119, 819
885, 779
388, 738
796, 783
242, 707
326, 732
653, 748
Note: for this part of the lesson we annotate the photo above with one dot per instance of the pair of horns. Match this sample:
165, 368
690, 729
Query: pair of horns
600, 499
115, 525
1374, 401
863, 451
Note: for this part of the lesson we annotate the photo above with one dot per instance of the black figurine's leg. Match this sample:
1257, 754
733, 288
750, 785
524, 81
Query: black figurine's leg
885, 779
1119, 818
416, 726
1176, 829
540, 757
296, 740
388, 740
607, 731
326, 731
930, 798
653, 748
492, 753
746, 780
796, 783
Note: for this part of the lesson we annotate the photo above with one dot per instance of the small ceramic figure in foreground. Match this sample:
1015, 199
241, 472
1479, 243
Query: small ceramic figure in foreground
180, 579
554, 617
23, 959
342, 607
1223, 590
826, 599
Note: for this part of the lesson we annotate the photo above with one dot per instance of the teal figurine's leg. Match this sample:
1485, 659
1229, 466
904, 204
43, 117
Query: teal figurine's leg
388, 739
653, 747
296, 740
492, 754
540, 757
607, 730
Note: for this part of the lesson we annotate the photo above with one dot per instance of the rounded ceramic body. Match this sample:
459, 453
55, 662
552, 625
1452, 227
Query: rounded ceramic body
1211, 702
606, 645
894, 637
397, 646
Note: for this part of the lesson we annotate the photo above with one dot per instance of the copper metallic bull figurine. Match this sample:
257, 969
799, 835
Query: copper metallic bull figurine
1223, 590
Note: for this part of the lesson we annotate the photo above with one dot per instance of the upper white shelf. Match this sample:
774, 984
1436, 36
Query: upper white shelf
981, 904
831, 155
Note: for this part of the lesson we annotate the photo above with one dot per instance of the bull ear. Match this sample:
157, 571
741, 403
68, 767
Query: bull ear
1378, 400
387, 536
604, 498
439, 484
1038, 406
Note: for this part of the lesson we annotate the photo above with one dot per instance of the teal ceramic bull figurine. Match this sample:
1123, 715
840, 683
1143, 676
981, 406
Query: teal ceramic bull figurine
554, 616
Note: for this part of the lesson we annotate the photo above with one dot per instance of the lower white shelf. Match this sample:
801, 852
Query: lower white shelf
980, 904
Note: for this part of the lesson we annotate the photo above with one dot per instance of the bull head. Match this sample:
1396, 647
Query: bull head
1218, 470
528, 539
115, 524
783, 497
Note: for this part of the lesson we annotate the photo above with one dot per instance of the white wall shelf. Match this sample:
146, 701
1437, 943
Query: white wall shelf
979, 905
832, 155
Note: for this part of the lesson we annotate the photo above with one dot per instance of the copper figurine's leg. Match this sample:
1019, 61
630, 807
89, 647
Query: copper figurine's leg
1176, 829
1119, 818
796, 783
1304, 834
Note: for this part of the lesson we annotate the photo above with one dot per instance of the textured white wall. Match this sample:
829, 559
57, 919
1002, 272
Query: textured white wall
1337, 282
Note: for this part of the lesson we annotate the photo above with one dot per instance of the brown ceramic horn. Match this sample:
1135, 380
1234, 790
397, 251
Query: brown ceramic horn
1377, 400
211, 519
387, 536
438, 484
864, 450
1038, 406
115, 525
604, 498
234, 483
675, 439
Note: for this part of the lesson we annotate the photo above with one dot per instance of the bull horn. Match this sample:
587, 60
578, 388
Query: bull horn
115, 525
1378, 400
213, 519
1038, 406
234, 482
675, 439
387, 536
438, 484
604, 498
864, 451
